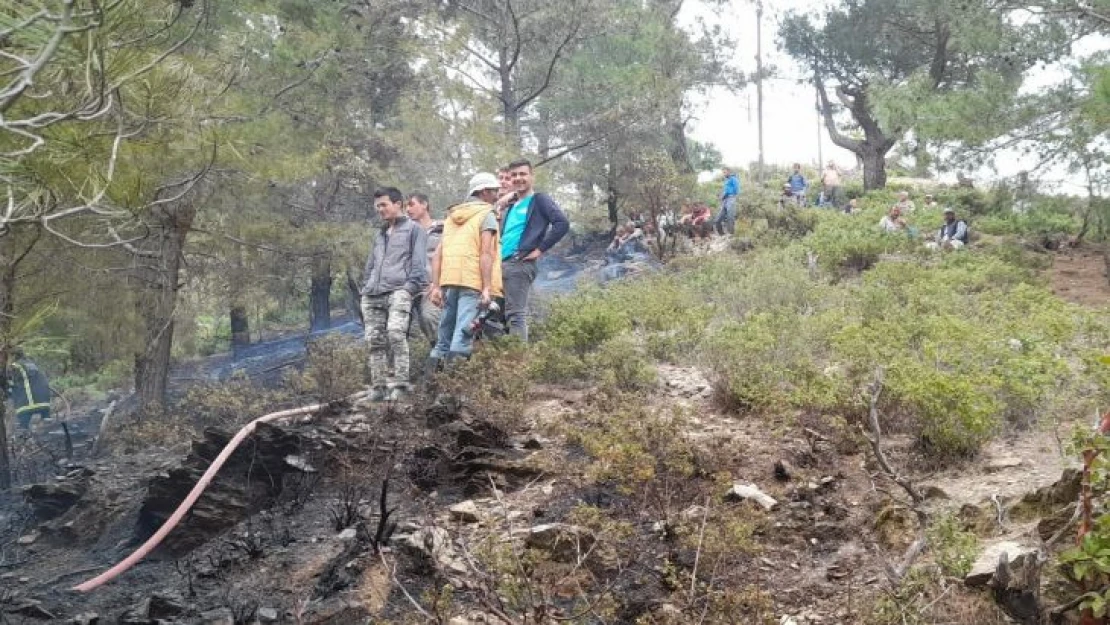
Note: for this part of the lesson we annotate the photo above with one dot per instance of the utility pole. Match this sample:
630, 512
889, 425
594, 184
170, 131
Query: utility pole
759, 81
817, 107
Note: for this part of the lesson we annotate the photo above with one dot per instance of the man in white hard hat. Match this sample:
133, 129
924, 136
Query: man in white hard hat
466, 269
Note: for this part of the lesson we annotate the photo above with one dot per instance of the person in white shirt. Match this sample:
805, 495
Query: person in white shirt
893, 221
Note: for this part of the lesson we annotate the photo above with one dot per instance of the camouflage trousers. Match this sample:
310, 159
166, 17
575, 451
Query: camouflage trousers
386, 321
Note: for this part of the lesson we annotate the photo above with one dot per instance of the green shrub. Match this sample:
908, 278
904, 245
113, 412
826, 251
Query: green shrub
768, 362
953, 548
791, 222
846, 243
584, 321
620, 362
335, 367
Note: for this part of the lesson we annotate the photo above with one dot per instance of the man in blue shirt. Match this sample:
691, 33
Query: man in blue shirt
798, 185
726, 219
530, 226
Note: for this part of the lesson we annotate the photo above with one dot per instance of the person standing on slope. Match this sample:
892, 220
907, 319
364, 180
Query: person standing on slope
396, 272
466, 270
425, 312
726, 219
533, 224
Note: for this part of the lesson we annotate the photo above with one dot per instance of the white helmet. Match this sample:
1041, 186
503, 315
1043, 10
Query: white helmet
481, 182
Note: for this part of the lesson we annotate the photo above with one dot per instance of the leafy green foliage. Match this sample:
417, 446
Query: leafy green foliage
971, 343
953, 547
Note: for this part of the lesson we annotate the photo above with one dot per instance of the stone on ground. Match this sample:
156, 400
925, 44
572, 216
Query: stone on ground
983, 569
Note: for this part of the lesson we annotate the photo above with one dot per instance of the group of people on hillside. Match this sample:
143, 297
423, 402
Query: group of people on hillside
468, 275
795, 191
952, 234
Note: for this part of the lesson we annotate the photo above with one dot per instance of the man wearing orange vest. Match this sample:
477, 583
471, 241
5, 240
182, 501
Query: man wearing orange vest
466, 269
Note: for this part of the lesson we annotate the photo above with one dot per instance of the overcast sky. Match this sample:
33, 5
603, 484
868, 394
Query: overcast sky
790, 125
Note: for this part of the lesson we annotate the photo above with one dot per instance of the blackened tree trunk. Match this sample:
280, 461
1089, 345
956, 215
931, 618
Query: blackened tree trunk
158, 272
13, 250
319, 292
7, 308
237, 310
240, 326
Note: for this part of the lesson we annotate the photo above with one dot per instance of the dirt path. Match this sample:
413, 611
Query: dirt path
1079, 276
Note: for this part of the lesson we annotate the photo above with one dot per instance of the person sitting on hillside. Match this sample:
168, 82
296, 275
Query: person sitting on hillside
28, 388
700, 225
905, 204
893, 221
851, 207
786, 199
621, 235
952, 234
930, 202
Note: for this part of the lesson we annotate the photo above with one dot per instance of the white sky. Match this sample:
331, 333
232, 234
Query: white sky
728, 120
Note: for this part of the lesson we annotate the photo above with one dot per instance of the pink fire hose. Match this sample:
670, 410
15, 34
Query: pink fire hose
194, 494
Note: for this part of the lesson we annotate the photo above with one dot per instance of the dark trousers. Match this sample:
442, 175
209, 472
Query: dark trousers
25, 417
517, 277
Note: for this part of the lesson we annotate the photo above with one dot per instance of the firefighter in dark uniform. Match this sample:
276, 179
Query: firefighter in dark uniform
29, 390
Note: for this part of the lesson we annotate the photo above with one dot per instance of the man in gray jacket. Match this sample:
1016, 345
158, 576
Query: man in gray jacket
396, 272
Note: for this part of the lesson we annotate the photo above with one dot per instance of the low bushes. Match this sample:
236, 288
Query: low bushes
970, 342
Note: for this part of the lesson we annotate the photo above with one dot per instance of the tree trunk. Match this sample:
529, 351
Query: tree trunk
874, 168
237, 311
159, 273
319, 293
678, 149
240, 326
7, 308
510, 115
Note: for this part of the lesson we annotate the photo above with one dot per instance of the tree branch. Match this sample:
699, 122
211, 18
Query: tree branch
830, 122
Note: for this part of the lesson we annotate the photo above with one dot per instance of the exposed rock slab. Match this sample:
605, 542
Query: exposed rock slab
983, 569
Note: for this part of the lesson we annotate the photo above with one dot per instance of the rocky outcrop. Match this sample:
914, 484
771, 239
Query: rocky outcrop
563, 542
983, 569
250, 479
50, 501
468, 453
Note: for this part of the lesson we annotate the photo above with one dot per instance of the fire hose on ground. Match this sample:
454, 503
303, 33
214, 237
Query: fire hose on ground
186, 504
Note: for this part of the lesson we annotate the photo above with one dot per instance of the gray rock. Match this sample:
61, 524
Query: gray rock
85, 618
31, 609
784, 470
219, 616
741, 491
434, 544
267, 615
983, 569
28, 539
465, 512
1001, 464
299, 463
50, 501
564, 542
348, 534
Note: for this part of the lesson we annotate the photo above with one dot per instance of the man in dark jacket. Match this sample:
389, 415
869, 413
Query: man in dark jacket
533, 224
29, 389
396, 272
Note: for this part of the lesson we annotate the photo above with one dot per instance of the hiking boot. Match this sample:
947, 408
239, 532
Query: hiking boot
433, 365
377, 394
